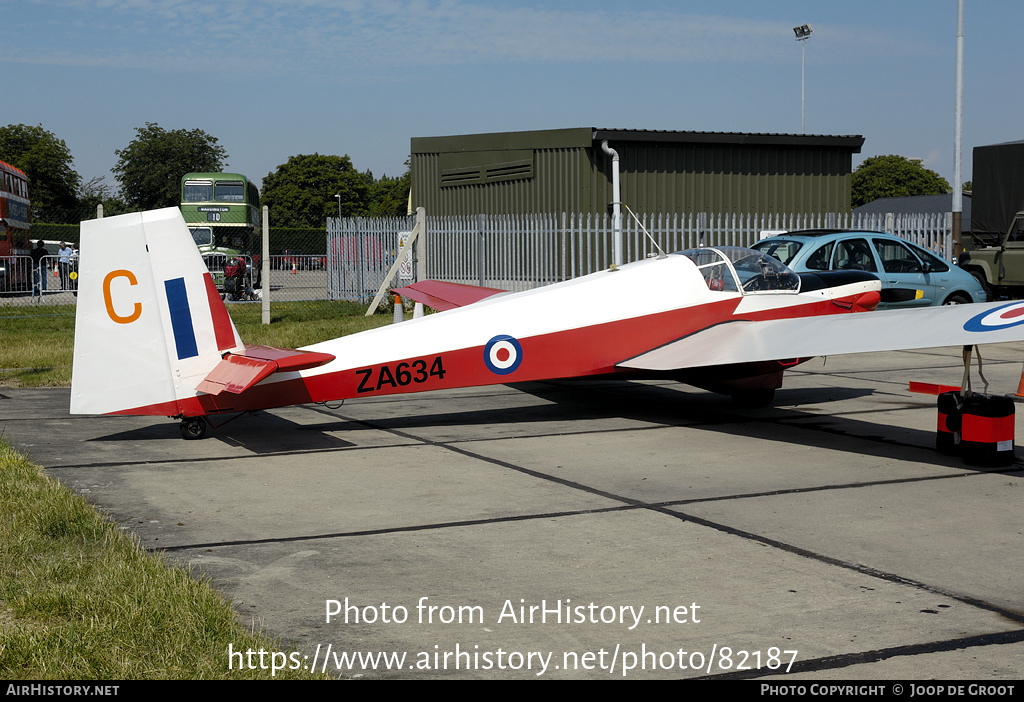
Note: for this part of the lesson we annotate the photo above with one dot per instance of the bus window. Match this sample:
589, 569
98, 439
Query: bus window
203, 236
230, 191
197, 191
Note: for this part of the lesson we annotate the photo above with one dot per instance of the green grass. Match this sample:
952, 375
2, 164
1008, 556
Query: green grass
38, 342
37, 345
81, 600
301, 324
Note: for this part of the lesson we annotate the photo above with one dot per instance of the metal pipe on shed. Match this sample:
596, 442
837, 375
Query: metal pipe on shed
616, 206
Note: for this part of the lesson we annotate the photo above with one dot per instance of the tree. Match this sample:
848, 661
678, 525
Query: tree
46, 160
389, 197
301, 192
96, 192
894, 176
151, 166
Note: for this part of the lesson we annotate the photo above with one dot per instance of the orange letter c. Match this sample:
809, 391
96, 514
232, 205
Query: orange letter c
109, 303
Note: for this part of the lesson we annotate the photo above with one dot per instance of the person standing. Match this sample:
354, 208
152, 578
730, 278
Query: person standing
64, 263
39, 269
73, 267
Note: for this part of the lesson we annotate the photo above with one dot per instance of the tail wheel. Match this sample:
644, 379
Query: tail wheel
193, 428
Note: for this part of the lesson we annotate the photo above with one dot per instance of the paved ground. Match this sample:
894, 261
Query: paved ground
827, 526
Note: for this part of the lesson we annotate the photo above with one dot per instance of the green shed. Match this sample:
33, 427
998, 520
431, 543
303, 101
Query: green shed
569, 170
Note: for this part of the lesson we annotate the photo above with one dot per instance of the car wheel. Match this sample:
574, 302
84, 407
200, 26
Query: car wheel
984, 285
957, 299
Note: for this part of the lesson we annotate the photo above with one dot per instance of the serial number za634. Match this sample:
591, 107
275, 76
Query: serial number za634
399, 375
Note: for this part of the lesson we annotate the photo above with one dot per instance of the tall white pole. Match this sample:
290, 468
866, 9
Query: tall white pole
958, 197
803, 54
265, 267
803, 33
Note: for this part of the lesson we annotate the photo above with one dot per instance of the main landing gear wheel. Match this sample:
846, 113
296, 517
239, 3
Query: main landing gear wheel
193, 428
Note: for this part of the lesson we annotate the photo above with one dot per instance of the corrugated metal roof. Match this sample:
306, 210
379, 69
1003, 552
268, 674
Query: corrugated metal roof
916, 205
585, 136
853, 142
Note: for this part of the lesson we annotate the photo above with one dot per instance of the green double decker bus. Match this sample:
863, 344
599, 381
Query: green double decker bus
222, 211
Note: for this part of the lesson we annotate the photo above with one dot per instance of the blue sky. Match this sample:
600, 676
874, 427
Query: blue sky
272, 79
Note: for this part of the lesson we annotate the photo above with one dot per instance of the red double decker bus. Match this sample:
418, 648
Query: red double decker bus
15, 264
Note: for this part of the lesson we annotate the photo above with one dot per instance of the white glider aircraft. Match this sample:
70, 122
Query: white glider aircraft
153, 337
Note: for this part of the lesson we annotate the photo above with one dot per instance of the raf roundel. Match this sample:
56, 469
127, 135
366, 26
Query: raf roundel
1010, 315
503, 354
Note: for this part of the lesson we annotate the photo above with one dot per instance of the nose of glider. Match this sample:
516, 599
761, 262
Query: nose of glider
866, 302
856, 291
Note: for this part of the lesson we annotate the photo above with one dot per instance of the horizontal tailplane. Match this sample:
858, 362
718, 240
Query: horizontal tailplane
238, 372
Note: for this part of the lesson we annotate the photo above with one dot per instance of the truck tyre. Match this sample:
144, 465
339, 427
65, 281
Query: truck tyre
980, 277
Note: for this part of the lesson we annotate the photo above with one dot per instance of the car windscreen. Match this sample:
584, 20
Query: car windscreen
781, 249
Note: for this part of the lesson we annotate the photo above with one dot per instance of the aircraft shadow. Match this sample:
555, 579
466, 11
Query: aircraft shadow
568, 404
583, 400
668, 404
260, 433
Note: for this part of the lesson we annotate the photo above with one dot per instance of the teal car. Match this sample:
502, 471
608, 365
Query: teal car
910, 275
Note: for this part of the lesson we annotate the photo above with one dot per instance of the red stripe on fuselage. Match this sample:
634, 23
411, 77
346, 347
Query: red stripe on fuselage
583, 351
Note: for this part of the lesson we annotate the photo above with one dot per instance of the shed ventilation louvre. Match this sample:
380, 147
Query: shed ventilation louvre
487, 173
461, 176
512, 170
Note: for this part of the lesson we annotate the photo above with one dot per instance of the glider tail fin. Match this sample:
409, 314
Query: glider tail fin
150, 323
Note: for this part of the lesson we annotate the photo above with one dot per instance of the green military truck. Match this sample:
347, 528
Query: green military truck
999, 265
995, 253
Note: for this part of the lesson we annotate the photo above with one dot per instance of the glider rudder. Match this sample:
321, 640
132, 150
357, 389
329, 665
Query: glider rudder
150, 323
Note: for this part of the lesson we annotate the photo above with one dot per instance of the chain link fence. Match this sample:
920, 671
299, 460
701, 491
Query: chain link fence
297, 267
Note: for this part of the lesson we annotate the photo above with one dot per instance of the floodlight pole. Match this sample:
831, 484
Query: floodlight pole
958, 195
803, 33
803, 58
265, 267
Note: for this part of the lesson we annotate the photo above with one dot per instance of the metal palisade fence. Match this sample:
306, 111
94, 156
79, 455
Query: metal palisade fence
349, 259
518, 252
360, 251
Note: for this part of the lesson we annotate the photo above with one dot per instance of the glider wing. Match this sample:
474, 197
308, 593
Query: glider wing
802, 337
445, 296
